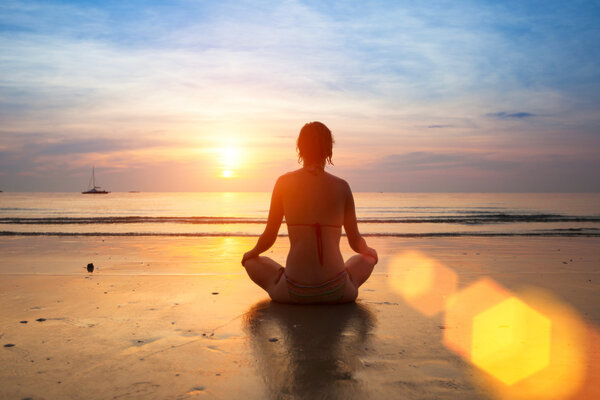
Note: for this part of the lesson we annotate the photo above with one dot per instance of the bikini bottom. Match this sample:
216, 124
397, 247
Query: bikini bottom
329, 291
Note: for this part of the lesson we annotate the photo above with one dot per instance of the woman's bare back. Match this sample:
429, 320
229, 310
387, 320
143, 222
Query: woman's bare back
310, 198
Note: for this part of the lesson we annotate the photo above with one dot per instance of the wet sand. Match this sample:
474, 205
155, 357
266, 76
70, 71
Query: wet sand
164, 318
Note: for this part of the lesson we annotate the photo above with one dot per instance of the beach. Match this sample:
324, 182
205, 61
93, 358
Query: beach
146, 147
176, 317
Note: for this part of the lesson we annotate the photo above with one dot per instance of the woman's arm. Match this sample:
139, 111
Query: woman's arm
355, 240
268, 237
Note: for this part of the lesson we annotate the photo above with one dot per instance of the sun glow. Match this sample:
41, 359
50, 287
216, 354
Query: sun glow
229, 160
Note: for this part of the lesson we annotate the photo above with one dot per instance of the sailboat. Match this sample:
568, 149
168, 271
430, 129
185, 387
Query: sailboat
95, 189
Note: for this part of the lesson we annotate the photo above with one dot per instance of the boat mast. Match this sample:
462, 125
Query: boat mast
93, 177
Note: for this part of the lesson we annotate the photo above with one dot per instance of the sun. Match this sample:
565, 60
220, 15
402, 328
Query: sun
229, 160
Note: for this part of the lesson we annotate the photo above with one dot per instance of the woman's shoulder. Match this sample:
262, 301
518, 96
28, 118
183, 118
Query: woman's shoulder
337, 180
288, 175
292, 176
286, 179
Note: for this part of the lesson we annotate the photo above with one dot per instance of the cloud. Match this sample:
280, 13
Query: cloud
426, 160
430, 171
41, 143
510, 115
105, 80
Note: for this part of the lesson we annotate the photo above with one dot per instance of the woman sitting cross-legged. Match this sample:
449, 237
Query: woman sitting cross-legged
315, 205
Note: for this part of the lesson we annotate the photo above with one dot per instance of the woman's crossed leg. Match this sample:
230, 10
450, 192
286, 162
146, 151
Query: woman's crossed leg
268, 274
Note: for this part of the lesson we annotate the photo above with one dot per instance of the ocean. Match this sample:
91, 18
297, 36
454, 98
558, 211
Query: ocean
244, 214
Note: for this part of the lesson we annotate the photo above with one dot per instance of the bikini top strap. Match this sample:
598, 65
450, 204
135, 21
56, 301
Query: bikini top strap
316, 224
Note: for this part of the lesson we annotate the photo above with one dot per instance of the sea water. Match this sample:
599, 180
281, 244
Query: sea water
244, 214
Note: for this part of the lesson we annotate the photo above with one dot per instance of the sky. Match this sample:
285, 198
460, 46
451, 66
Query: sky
421, 96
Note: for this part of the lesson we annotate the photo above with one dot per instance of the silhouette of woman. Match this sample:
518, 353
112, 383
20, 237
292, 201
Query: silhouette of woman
316, 205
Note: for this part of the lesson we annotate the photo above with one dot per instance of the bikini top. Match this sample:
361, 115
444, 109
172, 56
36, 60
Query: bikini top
319, 236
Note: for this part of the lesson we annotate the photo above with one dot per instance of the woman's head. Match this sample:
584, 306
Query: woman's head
315, 144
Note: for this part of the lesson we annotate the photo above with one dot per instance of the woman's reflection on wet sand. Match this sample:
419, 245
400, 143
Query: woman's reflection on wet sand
306, 351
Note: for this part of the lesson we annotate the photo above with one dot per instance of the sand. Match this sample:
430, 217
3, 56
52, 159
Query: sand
176, 318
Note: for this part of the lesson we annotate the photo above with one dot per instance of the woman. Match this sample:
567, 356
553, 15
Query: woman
316, 205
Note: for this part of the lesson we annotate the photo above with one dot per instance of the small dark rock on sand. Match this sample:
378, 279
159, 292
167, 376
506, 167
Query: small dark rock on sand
40, 319
9, 345
273, 339
215, 292
90, 267
23, 322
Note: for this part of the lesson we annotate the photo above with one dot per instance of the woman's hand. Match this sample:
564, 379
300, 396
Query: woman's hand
248, 255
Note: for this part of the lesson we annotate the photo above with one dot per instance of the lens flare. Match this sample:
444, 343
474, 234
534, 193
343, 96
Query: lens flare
511, 341
424, 282
463, 306
570, 372
530, 345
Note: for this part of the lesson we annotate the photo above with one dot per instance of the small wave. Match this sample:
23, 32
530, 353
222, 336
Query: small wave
470, 219
558, 230
127, 234
549, 233
19, 209
130, 220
